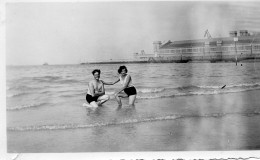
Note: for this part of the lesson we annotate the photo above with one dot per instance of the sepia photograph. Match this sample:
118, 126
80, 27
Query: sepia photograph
132, 76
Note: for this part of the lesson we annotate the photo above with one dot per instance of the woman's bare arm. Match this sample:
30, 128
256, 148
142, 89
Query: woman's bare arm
110, 83
128, 78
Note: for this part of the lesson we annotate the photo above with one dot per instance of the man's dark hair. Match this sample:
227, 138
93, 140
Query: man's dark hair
96, 70
121, 68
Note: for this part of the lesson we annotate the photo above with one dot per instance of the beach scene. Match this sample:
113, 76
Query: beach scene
195, 67
179, 107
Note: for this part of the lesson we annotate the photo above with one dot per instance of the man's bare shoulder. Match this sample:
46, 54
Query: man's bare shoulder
92, 82
102, 81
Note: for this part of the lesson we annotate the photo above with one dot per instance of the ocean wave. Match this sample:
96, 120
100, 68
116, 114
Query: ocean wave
64, 81
191, 87
46, 78
150, 90
26, 106
210, 87
194, 93
123, 122
142, 90
199, 88
232, 86
79, 126
23, 88
195, 87
191, 90
16, 94
245, 85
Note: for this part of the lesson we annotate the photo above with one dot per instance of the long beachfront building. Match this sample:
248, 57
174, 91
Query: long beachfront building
240, 45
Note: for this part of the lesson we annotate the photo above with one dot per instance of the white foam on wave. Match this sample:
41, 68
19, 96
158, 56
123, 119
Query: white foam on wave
15, 94
124, 122
26, 106
80, 126
143, 90
231, 85
222, 91
194, 93
245, 85
210, 87
151, 90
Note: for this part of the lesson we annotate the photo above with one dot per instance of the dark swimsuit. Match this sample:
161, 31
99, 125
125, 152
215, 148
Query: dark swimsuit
90, 99
130, 91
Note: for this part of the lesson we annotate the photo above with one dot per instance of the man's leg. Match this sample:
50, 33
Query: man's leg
86, 104
90, 99
93, 104
102, 99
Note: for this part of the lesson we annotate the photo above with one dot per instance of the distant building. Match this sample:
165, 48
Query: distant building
241, 47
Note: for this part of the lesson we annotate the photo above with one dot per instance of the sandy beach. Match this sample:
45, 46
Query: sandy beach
191, 123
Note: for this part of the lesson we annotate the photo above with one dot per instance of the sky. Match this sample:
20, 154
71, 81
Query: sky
72, 33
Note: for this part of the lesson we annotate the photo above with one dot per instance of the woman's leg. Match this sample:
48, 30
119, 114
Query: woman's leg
132, 99
119, 96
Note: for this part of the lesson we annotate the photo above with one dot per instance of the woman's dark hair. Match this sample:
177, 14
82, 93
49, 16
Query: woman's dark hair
96, 70
121, 68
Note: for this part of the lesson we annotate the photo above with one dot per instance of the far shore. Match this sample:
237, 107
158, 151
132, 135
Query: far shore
136, 62
174, 61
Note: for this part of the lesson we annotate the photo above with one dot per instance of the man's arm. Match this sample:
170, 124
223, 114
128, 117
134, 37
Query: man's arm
91, 89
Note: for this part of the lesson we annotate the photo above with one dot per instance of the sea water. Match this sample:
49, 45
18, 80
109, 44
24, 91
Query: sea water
47, 102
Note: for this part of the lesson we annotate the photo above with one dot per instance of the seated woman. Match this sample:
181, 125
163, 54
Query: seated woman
127, 89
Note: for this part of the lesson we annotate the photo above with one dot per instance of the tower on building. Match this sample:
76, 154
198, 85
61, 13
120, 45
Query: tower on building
156, 47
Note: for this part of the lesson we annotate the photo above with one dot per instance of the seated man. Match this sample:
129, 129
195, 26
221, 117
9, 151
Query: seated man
96, 91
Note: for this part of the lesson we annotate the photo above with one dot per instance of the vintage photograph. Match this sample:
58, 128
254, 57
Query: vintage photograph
132, 76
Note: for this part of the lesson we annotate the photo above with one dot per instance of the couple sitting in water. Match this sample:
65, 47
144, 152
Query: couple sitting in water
96, 93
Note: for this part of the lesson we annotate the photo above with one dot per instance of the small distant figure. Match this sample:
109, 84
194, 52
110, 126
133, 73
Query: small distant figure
241, 64
223, 87
96, 91
127, 89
